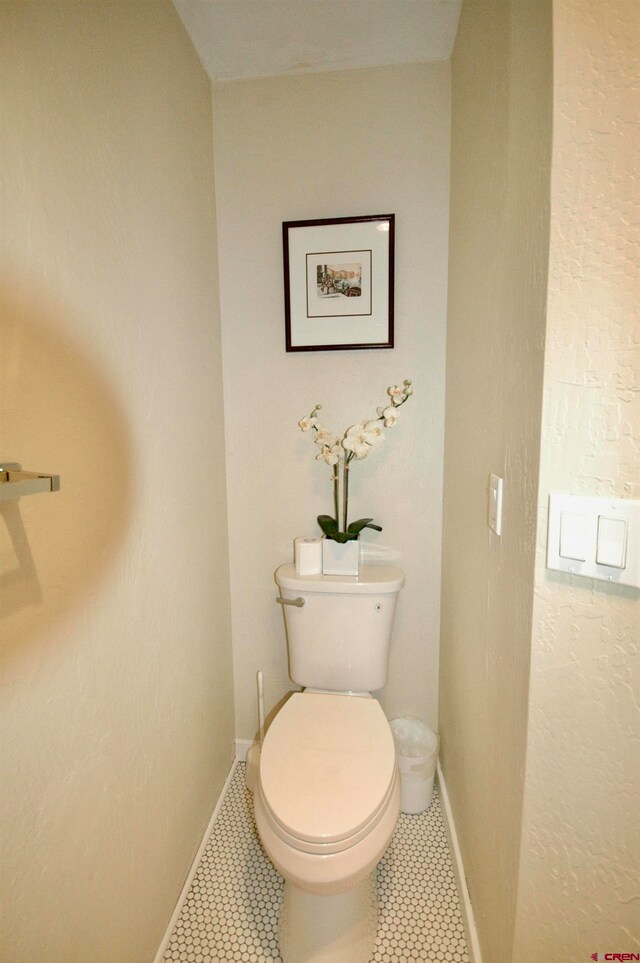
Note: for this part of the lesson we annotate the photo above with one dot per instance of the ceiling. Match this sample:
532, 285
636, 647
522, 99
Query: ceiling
259, 38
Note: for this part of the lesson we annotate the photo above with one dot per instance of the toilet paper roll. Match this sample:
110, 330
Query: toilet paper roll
307, 553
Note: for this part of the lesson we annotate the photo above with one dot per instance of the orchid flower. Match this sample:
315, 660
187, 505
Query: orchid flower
373, 432
307, 423
325, 439
330, 454
388, 415
356, 441
397, 394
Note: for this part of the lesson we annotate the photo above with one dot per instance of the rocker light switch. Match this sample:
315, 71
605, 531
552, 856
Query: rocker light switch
612, 542
573, 536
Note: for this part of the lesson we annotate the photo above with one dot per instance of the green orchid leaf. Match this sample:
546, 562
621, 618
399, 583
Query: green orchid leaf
356, 527
341, 537
328, 525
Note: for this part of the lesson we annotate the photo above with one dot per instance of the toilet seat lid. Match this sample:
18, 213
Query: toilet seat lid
327, 765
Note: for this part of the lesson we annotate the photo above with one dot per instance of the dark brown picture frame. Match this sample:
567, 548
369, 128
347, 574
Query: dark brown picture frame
339, 283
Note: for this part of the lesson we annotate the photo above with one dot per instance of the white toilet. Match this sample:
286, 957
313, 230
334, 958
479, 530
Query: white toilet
328, 789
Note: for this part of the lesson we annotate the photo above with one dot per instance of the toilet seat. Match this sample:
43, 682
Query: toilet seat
327, 771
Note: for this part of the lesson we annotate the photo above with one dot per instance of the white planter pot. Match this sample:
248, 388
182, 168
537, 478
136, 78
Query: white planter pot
340, 558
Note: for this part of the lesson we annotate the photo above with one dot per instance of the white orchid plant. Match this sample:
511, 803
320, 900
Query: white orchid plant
338, 452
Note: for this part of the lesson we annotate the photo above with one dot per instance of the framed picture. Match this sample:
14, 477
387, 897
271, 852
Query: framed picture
338, 283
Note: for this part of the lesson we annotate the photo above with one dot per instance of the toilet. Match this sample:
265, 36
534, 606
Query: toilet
327, 796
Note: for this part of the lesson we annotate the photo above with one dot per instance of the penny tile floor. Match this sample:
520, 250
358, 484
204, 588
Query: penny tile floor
231, 911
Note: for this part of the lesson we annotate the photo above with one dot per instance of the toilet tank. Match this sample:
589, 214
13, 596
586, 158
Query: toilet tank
339, 638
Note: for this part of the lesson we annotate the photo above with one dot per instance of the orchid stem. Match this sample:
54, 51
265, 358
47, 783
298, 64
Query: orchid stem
345, 494
336, 493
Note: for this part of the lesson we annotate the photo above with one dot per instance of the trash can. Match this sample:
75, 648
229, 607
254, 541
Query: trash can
417, 752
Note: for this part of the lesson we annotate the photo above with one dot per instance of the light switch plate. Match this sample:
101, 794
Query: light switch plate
595, 529
495, 503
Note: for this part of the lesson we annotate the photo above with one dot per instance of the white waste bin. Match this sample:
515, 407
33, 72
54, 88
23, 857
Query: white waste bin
417, 753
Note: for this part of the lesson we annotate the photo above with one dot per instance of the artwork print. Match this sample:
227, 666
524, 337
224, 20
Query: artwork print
339, 280
338, 284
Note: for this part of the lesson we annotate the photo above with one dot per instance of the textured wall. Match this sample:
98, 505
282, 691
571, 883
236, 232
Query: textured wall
501, 114
343, 143
580, 887
117, 693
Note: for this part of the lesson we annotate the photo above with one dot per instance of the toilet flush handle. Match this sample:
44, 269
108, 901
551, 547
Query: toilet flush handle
299, 602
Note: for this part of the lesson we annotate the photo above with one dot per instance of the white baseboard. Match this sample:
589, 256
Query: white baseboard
473, 944
194, 868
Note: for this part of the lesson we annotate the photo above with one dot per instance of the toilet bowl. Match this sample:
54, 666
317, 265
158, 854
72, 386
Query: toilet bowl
326, 805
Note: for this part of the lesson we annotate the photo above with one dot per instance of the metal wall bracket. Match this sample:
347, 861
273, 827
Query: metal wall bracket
14, 482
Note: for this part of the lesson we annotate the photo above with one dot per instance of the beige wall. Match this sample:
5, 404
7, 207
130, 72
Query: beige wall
343, 143
501, 113
117, 698
579, 865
